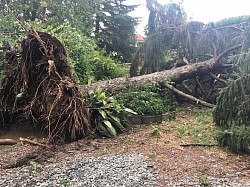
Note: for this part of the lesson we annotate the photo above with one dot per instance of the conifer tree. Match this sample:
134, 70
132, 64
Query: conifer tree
114, 28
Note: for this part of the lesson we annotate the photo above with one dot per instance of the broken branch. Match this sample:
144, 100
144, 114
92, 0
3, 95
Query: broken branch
198, 101
33, 142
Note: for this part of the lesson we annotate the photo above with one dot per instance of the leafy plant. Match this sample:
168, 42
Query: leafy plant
204, 181
107, 115
152, 154
156, 132
64, 182
33, 165
151, 101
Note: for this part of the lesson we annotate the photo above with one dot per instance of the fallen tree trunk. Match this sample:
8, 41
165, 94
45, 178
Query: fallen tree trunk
176, 75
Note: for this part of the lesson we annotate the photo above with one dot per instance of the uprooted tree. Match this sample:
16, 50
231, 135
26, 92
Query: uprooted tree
38, 86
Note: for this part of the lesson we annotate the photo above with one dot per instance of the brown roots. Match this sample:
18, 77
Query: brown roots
38, 86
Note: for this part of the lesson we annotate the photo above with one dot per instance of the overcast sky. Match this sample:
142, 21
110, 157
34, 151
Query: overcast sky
200, 10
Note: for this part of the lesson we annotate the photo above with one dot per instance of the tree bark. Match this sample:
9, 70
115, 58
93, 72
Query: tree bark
176, 75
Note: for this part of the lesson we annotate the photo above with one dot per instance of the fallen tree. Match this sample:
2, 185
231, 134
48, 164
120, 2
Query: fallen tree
176, 75
173, 75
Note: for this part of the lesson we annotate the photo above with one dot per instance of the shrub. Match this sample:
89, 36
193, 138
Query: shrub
150, 101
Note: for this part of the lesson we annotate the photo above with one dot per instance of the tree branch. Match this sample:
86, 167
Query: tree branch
199, 85
7, 142
227, 51
186, 87
33, 142
198, 101
217, 78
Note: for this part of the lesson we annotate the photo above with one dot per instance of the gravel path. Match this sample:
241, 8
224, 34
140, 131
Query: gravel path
119, 170
123, 170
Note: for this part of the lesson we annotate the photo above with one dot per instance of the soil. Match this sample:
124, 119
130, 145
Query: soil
165, 151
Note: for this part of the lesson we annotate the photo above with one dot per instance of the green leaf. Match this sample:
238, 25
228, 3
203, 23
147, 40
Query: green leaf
116, 122
130, 111
110, 128
102, 130
103, 113
98, 90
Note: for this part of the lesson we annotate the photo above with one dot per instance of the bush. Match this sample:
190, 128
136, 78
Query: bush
150, 101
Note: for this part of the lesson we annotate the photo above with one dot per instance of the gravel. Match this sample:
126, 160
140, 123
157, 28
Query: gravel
119, 170
122, 170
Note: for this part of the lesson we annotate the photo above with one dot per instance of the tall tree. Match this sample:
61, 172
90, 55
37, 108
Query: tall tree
114, 28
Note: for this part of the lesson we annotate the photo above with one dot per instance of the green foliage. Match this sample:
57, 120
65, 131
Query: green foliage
152, 155
33, 165
64, 182
114, 28
56, 12
233, 104
204, 181
233, 20
156, 132
150, 101
194, 41
88, 63
237, 138
107, 115
108, 21
11, 33
143, 102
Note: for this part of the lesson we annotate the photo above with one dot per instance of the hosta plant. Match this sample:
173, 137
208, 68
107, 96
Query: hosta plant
108, 117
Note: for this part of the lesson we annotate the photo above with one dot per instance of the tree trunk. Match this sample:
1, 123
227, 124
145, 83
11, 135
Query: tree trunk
176, 75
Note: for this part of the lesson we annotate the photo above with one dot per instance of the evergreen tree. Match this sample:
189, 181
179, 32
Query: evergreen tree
114, 28
232, 111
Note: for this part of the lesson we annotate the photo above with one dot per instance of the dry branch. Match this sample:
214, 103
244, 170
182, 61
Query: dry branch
33, 142
198, 144
7, 142
218, 78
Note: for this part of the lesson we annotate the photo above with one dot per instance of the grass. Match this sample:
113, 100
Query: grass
200, 128
64, 182
152, 155
156, 133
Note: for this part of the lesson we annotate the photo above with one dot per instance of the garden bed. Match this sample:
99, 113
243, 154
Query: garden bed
147, 119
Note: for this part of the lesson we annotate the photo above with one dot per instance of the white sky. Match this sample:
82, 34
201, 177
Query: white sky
200, 10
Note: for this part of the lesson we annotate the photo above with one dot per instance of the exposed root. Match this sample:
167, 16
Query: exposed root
39, 86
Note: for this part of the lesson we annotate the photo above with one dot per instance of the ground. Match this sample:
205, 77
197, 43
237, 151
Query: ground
184, 146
